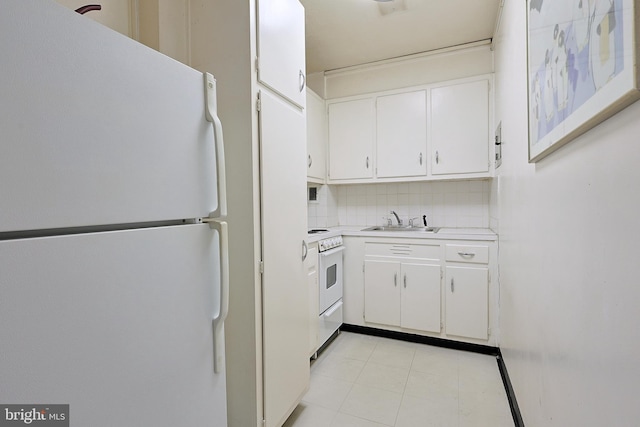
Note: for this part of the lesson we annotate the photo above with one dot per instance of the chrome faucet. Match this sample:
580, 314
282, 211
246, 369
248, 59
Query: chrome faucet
398, 218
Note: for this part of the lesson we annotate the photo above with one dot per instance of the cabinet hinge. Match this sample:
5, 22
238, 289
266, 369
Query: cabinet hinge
257, 63
489, 331
441, 274
261, 267
258, 104
441, 326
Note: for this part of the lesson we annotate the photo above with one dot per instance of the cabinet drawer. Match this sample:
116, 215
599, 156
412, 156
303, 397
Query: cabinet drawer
468, 253
403, 250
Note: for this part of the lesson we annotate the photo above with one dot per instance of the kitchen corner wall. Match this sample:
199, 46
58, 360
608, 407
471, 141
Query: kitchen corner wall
568, 235
446, 204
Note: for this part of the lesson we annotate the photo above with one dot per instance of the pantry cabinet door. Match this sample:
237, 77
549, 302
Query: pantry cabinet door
281, 48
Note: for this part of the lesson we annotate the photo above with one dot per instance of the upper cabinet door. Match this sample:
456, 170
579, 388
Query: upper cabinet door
316, 138
402, 135
460, 128
351, 138
281, 49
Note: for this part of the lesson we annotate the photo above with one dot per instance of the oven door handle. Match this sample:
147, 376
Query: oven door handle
332, 251
332, 309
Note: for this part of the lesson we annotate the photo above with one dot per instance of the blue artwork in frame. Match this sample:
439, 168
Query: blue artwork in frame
581, 67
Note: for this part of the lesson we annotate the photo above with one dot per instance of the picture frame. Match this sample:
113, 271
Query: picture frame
581, 67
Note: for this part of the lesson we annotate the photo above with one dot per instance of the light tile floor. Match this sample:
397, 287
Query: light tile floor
364, 381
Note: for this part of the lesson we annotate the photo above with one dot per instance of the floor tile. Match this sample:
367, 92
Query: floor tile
427, 386
308, 415
372, 404
363, 381
389, 378
327, 392
344, 420
353, 346
340, 368
437, 362
439, 412
388, 354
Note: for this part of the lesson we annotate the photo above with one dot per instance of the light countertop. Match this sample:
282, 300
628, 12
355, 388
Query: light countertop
445, 233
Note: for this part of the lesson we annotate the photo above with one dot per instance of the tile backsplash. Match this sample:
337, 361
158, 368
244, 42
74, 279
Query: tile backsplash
446, 204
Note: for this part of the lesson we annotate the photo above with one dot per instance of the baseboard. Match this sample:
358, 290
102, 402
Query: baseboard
437, 342
455, 345
511, 395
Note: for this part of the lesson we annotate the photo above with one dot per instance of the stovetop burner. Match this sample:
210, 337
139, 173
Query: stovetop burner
318, 231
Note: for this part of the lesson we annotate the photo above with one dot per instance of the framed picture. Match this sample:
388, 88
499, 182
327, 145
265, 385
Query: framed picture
581, 67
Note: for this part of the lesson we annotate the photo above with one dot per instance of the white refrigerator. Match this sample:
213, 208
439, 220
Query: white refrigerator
113, 244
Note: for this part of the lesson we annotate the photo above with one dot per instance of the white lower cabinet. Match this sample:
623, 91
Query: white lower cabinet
439, 288
467, 301
311, 264
402, 294
420, 297
401, 289
467, 290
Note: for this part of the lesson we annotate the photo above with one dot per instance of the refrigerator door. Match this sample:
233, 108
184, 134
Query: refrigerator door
116, 324
96, 128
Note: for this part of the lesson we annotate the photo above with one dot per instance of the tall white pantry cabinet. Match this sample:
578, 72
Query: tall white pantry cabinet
255, 48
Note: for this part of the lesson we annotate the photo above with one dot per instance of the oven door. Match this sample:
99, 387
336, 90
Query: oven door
330, 264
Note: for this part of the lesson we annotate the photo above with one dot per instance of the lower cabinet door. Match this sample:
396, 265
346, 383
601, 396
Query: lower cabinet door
382, 292
420, 300
467, 302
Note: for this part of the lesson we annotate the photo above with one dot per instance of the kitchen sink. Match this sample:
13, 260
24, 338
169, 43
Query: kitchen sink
397, 228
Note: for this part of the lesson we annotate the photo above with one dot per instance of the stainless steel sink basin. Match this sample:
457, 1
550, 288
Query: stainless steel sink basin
396, 228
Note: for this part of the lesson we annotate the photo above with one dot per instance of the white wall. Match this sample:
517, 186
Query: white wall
446, 204
414, 70
115, 14
569, 230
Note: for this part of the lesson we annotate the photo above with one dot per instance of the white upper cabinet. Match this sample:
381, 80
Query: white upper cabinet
459, 128
434, 132
281, 49
401, 121
351, 139
316, 138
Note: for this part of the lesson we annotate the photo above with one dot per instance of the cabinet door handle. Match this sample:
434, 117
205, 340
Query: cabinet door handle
405, 281
452, 285
437, 158
303, 80
305, 250
395, 279
420, 159
467, 254
367, 162
310, 160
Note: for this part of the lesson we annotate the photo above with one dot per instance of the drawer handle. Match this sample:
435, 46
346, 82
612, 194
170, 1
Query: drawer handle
467, 254
452, 285
395, 279
405, 281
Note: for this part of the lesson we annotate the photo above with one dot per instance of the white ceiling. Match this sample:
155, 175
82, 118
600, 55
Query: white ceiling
342, 33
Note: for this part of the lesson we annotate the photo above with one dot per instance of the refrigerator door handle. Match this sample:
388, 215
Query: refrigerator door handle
211, 112
218, 322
